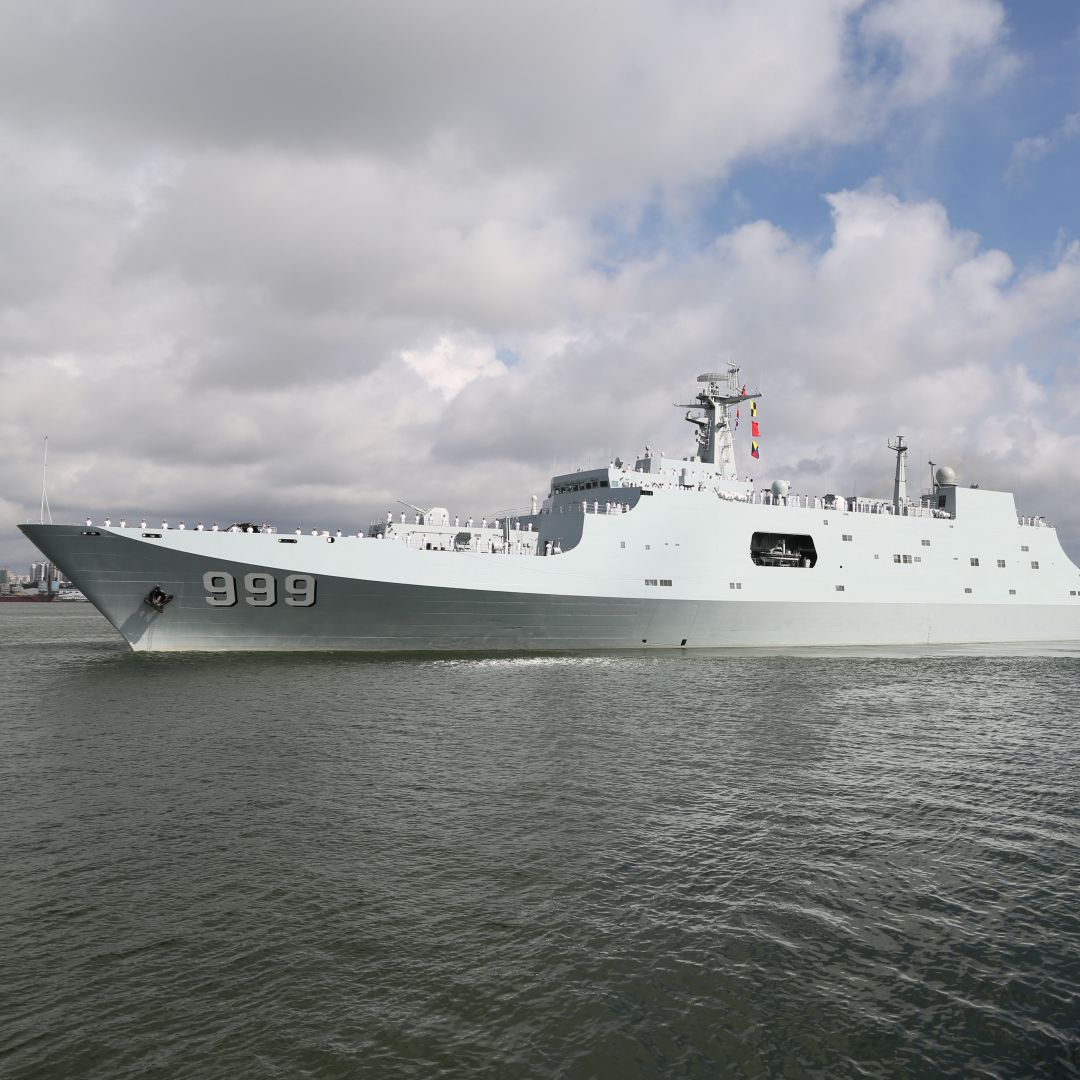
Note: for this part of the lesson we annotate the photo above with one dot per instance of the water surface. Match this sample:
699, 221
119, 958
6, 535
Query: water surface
856, 864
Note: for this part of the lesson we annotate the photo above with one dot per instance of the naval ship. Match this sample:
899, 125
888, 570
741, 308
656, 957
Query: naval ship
661, 553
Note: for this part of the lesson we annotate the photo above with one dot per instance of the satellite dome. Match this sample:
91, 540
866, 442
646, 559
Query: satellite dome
945, 476
780, 488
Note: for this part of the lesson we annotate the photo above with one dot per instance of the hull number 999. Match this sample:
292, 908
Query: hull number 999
260, 590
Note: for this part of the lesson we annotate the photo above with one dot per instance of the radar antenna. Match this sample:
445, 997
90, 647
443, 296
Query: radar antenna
709, 414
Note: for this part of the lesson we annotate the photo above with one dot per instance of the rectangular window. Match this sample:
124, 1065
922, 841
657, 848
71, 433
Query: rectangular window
1034, 564
918, 558
974, 562
665, 581
650, 581
846, 536
907, 558
1001, 564
839, 588
1012, 592
941, 502
734, 584
896, 558
1024, 547
793, 550
877, 556
622, 543
926, 543
967, 590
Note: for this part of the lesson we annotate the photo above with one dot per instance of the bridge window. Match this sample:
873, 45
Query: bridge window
783, 549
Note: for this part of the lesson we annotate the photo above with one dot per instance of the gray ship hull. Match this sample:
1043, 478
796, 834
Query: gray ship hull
377, 614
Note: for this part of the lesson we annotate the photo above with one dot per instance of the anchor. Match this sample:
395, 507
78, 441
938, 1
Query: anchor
157, 598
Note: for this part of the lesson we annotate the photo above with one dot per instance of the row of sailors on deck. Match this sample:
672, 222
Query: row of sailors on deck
457, 520
200, 527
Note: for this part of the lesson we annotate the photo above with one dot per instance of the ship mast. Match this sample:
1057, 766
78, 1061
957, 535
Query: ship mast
899, 491
716, 446
44, 497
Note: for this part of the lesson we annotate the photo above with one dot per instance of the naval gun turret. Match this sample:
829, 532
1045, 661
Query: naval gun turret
433, 515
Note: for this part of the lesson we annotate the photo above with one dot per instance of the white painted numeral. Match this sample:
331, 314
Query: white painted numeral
261, 590
299, 590
220, 587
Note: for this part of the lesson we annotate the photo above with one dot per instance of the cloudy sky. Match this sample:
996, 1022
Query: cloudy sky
294, 261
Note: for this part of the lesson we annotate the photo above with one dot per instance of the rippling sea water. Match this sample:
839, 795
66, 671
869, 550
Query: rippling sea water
646, 865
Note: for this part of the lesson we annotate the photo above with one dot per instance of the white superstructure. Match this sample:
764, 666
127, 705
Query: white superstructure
659, 553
